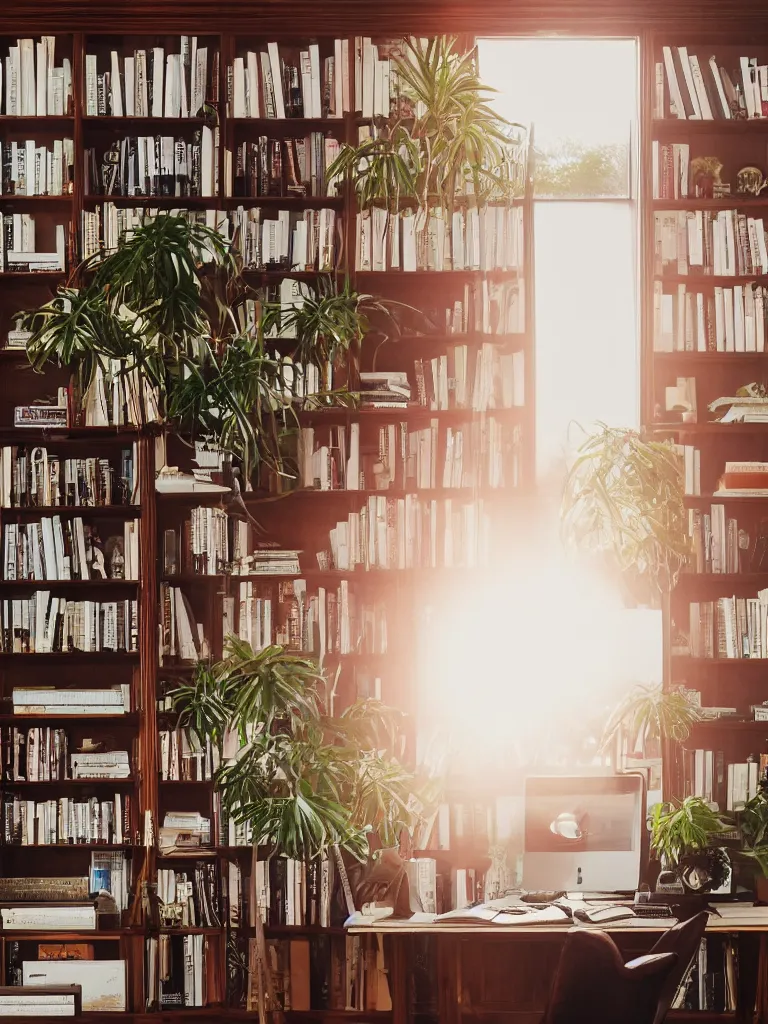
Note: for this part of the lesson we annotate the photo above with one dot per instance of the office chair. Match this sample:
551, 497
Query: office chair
593, 985
683, 940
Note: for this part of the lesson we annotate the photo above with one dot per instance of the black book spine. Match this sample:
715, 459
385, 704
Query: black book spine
320, 972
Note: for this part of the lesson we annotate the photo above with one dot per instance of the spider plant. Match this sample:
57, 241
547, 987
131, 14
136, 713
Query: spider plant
328, 321
624, 501
229, 392
444, 136
650, 714
304, 781
682, 828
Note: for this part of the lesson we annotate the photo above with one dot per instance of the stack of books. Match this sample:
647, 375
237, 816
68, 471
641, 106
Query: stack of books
184, 830
19, 251
743, 479
46, 700
44, 624
387, 389
108, 764
273, 562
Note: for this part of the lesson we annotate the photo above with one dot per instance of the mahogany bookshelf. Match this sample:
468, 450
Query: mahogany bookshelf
296, 520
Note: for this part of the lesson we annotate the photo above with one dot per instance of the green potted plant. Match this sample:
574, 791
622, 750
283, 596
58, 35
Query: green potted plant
684, 836
624, 503
649, 715
307, 783
146, 313
442, 138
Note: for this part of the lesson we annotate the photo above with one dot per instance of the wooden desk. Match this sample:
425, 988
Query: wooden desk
478, 974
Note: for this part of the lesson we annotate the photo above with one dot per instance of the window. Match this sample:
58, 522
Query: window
580, 96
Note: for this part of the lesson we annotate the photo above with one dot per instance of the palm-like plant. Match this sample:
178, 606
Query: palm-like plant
624, 500
305, 782
444, 137
650, 714
329, 321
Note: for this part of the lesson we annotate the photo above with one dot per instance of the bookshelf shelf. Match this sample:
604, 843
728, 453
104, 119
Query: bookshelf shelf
740, 126
427, 493
68, 584
43, 435
721, 429
102, 511
70, 656
31, 123
164, 202
703, 281
130, 720
412, 413
736, 201
34, 201
288, 202
9, 276
706, 358
107, 121
65, 783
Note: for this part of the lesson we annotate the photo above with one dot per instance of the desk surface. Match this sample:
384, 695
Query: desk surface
404, 928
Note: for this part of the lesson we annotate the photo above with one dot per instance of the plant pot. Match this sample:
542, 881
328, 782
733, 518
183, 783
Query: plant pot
704, 870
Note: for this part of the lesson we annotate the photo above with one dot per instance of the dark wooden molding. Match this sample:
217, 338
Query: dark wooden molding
398, 17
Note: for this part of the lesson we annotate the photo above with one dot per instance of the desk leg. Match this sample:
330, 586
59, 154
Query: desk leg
398, 961
449, 982
750, 965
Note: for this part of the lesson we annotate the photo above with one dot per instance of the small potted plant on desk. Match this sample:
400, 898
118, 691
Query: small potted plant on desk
688, 837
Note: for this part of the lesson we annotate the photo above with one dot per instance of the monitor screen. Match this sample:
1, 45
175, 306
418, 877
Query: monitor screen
581, 829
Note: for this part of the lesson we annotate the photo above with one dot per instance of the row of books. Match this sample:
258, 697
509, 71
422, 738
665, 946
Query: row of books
180, 972
481, 378
32, 476
27, 169
410, 533
185, 758
34, 85
470, 238
702, 89
671, 171
292, 240
268, 83
483, 453
66, 820
46, 700
485, 307
155, 165
723, 320
42, 754
211, 543
691, 462
730, 627
285, 167
45, 624
19, 246
181, 635
716, 541
713, 982
151, 82
56, 548
723, 243
102, 229
709, 774
288, 892
189, 898
329, 973
330, 621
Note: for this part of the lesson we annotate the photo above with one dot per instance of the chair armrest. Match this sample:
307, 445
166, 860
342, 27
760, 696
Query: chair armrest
651, 964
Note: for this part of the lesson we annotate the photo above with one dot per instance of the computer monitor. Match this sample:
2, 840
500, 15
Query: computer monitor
583, 833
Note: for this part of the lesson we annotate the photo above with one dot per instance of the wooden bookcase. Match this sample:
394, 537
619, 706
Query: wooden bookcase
298, 520
736, 143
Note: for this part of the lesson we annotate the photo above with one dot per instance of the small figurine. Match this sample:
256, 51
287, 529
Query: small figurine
750, 181
116, 558
705, 175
